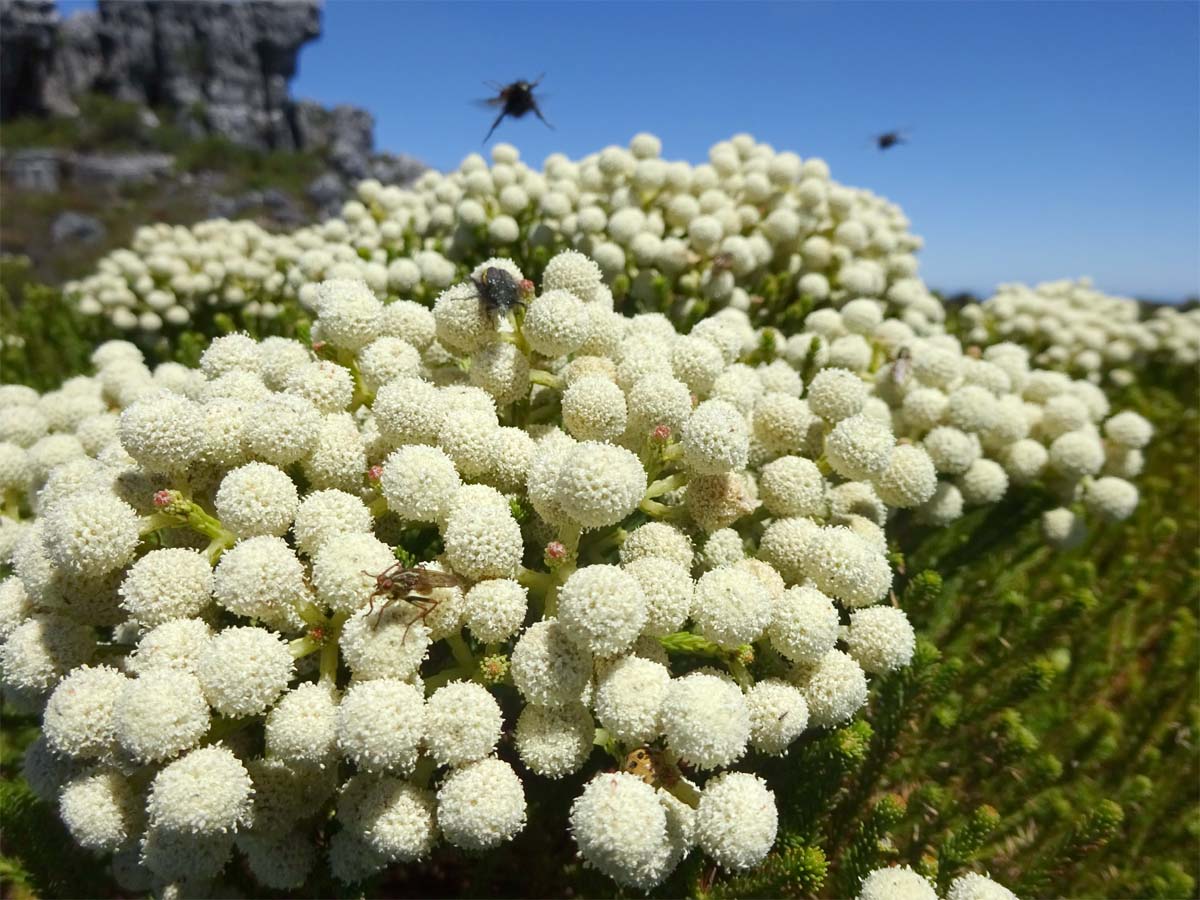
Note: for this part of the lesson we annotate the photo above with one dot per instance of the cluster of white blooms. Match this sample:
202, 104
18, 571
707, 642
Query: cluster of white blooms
1071, 326
902, 883
748, 227
300, 579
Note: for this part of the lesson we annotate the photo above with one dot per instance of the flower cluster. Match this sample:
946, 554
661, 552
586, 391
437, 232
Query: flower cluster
1071, 326
752, 228
303, 580
902, 883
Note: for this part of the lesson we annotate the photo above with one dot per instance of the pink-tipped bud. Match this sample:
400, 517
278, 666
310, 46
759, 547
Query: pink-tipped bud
375, 472
171, 502
661, 434
319, 346
556, 550
525, 286
163, 499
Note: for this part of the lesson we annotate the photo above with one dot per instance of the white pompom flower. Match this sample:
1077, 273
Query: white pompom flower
736, 820
205, 793
620, 828
244, 670
603, 608
481, 805
705, 720
554, 741
380, 725
880, 639
896, 883
462, 723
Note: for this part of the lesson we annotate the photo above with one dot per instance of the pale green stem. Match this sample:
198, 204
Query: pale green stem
739, 671
462, 653
222, 728
534, 580
307, 610
378, 507
12, 503
329, 653
546, 379
303, 646
684, 792
665, 485
423, 773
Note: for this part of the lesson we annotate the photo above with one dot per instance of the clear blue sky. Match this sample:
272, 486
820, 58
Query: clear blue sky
1048, 139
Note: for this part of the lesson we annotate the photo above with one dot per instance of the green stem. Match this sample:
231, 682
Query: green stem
739, 671
462, 653
222, 728
684, 792
329, 653
303, 646
307, 610
423, 773
665, 485
534, 580
378, 507
545, 379
608, 743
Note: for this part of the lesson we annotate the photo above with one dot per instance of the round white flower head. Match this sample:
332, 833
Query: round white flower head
177, 644
629, 699
257, 499
658, 399
324, 515
351, 859
836, 394
261, 577
16, 471
386, 358
338, 458
101, 809
279, 862
778, 715
880, 639
1024, 460
463, 322
45, 771
668, 589
230, 353
348, 313
279, 357
896, 883
973, 886
410, 321
395, 818
846, 568
409, 411
244, 670
481, 805
1076, 454
730, 609
715, 438
177, 856
736, 821
598, 485
572, 271
380, 724
41, 651
593, 409
482, 542
164, 433
782, 546
167, 584
705, 720
501, 369
1129, 430
206, 792
859, 447
792, 486
302, 728
658, 539
923, 408
389, 642
1113, 499
835, 688
557, 323
804, 624
462, 723
724, 547
419, 483
697, 363
984, 482
91, 533
285, 793
548, 668
603, 608
1063, 413
281, 429
15, 605
620, 828
909, 480
943, 507
554, 741
78, 721
495, 609
951, 450
343, 571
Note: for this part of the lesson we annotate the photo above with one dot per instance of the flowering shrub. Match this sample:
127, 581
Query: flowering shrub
754, 229
295, 579
1069, 325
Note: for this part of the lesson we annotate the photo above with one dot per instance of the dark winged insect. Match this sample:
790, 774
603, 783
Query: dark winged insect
515, 99
902, 366
498, 291
890, 139
411, 585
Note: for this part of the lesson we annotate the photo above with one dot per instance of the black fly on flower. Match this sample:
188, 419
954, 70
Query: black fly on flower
514, 99
498, 291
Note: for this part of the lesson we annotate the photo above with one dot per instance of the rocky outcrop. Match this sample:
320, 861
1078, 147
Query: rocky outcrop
220, 67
